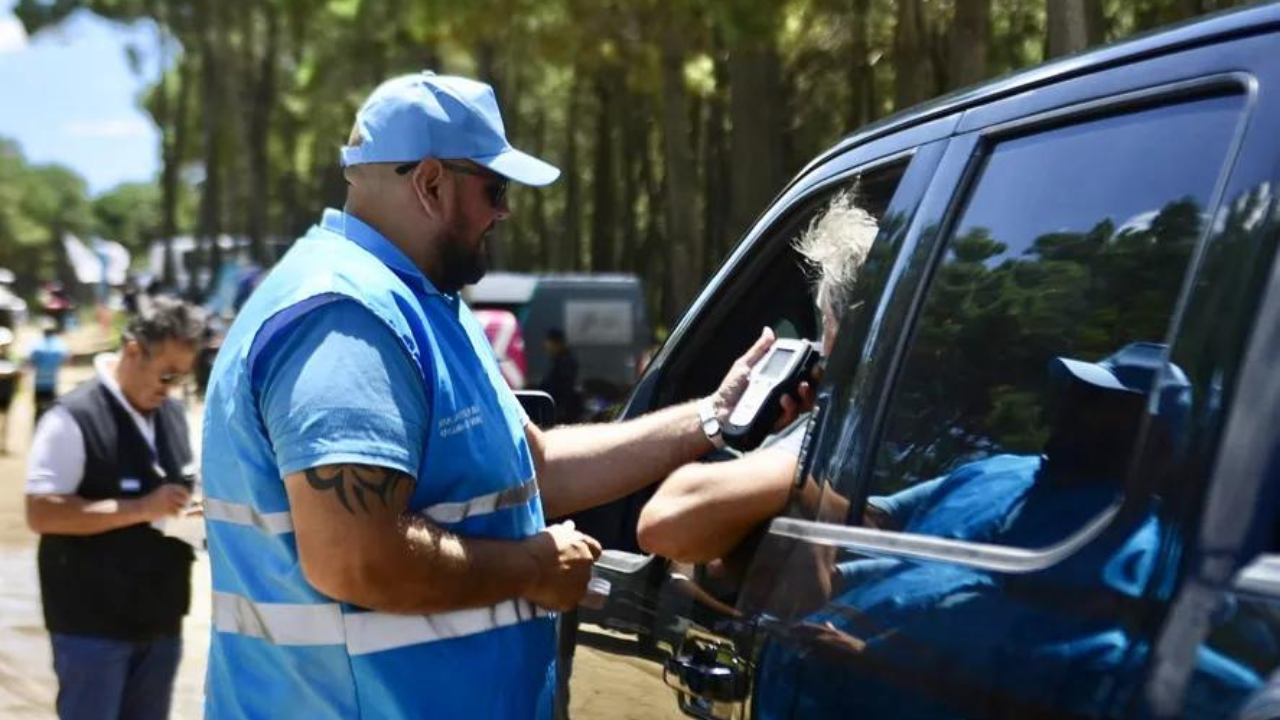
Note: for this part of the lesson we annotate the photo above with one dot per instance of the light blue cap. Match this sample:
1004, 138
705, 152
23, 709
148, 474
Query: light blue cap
425, 115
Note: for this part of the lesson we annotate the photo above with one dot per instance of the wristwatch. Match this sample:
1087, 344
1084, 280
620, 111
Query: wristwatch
710, 423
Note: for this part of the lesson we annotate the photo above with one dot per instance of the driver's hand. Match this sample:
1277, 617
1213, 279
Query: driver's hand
794, 407
726, 397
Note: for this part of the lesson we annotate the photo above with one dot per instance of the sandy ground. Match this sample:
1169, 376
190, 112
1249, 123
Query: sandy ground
604, 686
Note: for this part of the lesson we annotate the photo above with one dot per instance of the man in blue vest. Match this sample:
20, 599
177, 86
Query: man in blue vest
375, 496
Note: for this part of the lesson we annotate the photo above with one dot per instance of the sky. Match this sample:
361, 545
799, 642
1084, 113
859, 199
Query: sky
68, 96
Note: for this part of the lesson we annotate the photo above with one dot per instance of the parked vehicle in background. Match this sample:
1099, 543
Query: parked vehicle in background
602, 316
502, 329
1080, 541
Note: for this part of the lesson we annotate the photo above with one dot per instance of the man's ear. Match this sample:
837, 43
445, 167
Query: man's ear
428, 186
130, 348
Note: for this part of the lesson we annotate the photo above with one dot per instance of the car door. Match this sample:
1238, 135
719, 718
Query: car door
995, 512
621, 650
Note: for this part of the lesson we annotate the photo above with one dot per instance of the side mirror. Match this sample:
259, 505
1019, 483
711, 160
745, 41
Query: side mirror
539, 406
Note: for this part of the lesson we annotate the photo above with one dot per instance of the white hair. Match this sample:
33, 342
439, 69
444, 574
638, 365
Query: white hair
835, 245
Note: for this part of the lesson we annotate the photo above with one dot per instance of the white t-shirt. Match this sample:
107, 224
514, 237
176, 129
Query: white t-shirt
56, 463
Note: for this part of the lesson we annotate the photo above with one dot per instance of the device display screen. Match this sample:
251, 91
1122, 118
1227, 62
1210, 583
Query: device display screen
776, 364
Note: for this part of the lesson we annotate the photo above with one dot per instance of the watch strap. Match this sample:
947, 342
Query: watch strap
710, 423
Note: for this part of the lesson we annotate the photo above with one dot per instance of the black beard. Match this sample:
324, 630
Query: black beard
460, 264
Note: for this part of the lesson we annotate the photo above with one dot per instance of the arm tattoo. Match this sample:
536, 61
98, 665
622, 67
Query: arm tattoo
358, 480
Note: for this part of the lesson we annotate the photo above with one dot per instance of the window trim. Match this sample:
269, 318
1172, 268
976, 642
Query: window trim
1148, 98
974, 555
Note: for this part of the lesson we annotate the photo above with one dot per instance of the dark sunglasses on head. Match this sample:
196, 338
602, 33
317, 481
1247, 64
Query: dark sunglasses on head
495, 188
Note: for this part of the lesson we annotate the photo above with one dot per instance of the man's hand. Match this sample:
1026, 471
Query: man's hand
564, 558
168, 499
726, 397
794, 407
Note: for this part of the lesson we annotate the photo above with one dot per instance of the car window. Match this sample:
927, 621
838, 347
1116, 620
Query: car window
1042, 329
767, 285
773, 287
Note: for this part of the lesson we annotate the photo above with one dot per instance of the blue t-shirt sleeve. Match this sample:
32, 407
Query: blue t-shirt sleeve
336, 386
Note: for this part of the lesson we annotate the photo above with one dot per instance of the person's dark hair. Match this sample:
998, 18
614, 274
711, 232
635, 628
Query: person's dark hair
166, 318
555, 335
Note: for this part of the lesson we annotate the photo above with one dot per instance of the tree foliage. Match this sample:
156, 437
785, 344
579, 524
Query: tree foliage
38, 204
675, 120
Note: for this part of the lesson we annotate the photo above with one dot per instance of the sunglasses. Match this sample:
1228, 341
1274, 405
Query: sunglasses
495, 189
168, 379
173, 378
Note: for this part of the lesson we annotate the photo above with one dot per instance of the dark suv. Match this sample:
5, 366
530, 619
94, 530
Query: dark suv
1074, 556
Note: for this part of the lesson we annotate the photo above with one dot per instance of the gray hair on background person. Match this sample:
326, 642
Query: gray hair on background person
166, 318
835, 246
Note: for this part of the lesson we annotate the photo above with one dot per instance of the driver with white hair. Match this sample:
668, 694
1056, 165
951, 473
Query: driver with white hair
704, 510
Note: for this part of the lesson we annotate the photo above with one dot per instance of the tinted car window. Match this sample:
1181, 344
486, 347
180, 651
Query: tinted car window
1071, 246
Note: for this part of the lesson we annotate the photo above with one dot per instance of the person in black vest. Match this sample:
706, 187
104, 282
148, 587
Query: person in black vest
108, 464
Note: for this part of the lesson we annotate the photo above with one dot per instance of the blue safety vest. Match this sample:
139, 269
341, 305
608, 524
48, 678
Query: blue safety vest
282, 649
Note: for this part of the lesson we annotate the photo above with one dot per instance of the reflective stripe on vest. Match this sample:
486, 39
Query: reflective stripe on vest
374, 632
454, 512
278, 623
276, 523
362, 633
279, 523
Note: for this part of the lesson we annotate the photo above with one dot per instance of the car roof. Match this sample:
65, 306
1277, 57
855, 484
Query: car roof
508, 288
1199, 31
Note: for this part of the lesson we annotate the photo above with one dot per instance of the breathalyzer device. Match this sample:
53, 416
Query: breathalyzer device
778, 373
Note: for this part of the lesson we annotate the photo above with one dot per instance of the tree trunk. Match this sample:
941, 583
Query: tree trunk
1067, 26
1192, 8
258, 120
716, 165
543, 243
1096, 25
569, 246
210, 225
603, 182
168, 145
654, 261
515, 236
912, 82
632, 148
756, 151
970, 34
681, 179
861, 79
